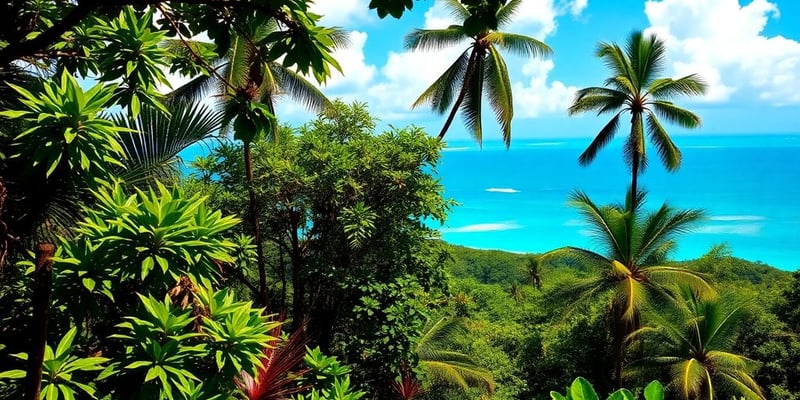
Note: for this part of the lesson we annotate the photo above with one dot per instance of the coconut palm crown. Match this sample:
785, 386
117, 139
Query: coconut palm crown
632, 268
635, 88
692, 346
479, 69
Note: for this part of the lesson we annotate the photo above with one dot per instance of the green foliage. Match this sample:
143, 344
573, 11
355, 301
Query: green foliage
132, 53
693, 347
154, 236
345, 213
581, 389
448, 366
170, 347
66, 130
391, 315
62, 371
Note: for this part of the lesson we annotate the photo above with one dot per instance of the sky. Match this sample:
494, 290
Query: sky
748, 51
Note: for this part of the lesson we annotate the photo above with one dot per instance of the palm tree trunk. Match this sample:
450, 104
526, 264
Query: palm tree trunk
262, 270
461, 94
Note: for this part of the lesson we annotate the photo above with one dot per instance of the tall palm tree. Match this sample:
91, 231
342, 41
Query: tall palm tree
250, 82
449, 366
691, 346
480, 68
631, 269
635, 88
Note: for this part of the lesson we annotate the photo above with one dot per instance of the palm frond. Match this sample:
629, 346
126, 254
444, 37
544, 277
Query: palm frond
235, 72
598, 99
664, 225
195, 90
631, 298
577, 254
609, 223
446, 365
617, 61
437, 334
507, 12
665, 88
473, 100
676, 276
456, 9
298, 88
601, 140
441, 93
434, 39
462, 374
669, 154
688, 377
521, 45
675, 114
158, 138
647, 55
498, 91
742, 384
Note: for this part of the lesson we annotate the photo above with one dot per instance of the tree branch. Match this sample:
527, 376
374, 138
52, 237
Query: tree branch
16, 51
28, 48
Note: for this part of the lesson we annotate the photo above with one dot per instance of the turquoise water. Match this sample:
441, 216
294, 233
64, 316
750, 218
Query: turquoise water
515, 199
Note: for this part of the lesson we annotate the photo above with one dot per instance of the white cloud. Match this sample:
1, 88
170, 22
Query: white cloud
341, 12
355, 71
502, 190
723, 41
539, 97
535, 18
493, 227
740, 229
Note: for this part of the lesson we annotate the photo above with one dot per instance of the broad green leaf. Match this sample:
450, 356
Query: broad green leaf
12, 374
581, 389
654, 391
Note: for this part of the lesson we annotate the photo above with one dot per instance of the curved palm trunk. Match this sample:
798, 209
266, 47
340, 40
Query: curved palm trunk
262, 270
461, 94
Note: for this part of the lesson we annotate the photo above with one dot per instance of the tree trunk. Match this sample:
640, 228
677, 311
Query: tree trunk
298, 283
637, 160
461, 94
42, 284
251, 191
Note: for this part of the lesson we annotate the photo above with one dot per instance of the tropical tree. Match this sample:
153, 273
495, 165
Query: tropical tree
249, 81
449, 366
632, 270
480, 68
635, 88
692, 346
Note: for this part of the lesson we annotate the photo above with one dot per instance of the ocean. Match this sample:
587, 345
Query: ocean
516, 199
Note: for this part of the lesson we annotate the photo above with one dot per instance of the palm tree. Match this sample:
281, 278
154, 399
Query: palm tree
692, 347
632, 269
250, 83
479, 68
635, 88
449, 366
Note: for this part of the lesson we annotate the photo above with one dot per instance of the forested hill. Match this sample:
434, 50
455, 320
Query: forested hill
527, 328
503, 267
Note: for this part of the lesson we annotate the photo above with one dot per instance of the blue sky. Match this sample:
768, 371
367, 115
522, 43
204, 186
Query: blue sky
747, 50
